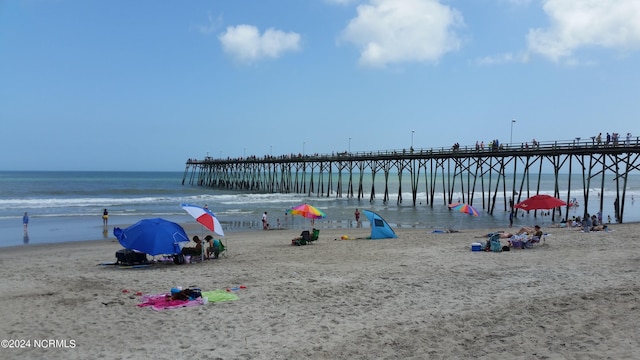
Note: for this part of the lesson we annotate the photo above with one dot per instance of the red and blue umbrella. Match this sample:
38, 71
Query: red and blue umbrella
205, 217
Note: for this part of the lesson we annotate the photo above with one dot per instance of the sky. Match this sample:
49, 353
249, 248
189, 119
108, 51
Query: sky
147, 84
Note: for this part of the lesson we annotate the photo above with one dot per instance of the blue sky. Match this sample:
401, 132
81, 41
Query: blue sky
145, 85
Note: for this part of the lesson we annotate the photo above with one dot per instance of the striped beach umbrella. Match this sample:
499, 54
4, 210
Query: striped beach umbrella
307, 211
205, 217
464, 208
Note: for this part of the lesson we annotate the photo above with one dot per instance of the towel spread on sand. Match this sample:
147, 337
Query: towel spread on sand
163, 301
219, 295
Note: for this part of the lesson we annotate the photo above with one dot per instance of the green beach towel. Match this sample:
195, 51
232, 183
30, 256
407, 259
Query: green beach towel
219, 295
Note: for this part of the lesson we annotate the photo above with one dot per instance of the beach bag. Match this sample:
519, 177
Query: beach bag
194, 293
130, 257
178, 259
495, 244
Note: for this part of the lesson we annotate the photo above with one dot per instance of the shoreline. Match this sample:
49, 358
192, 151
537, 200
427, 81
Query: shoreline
81, 228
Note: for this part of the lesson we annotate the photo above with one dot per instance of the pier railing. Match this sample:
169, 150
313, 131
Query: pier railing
576, 146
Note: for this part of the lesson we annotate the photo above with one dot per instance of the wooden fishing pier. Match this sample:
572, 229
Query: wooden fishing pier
490, 174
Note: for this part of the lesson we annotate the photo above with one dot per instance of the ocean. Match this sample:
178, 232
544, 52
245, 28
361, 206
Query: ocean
67, 206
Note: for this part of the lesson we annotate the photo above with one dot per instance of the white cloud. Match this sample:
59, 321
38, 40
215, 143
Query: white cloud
247, 45
212, 26
575, 24
394, 31
504, 58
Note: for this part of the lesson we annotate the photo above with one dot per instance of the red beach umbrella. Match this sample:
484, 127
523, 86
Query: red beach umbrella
540, 202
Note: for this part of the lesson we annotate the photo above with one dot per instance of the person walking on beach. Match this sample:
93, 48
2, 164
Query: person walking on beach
25, 220
357, 216
265, 224
105, 217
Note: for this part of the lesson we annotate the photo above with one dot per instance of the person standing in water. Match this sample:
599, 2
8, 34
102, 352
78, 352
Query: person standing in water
25, 220
105, 217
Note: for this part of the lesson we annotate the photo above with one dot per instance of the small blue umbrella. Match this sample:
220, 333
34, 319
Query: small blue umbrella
152, 236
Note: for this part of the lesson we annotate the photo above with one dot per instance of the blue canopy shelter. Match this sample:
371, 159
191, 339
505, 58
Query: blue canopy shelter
379, 227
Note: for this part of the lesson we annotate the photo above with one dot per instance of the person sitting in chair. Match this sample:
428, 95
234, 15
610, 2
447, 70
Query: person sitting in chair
534, 237
196, 250
214, 246
531, 231
537, 233
303, 239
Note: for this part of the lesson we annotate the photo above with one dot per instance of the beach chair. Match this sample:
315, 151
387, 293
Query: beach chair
314, 235
535, 240
217, 249
223, 250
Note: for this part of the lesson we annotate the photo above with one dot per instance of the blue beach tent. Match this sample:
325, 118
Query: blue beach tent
379, 228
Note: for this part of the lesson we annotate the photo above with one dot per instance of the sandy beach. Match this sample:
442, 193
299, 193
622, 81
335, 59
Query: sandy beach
423, 295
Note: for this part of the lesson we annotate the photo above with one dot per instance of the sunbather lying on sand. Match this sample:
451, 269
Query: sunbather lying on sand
600, 228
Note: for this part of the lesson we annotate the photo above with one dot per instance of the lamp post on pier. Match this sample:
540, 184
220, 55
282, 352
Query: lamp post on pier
511, 137
349, 145
412, 131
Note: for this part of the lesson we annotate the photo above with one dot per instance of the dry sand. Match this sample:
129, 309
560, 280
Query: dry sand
420, 296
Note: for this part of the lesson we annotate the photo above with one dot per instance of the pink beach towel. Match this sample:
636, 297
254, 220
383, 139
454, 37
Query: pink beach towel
163, 301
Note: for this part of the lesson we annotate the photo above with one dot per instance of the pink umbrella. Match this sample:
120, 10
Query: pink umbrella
204, 217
